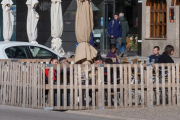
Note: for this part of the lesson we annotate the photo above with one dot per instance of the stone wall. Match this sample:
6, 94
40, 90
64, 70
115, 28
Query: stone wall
172, 32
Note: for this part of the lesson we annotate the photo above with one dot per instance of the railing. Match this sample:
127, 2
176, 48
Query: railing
89, 86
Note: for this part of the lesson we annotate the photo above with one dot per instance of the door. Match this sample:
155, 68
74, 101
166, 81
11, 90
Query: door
109, 10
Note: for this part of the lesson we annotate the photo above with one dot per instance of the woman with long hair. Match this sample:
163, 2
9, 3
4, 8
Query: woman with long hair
166, 56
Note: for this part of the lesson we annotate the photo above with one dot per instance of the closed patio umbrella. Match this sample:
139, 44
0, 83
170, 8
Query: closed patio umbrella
32, 20
85, 53
8, 20
56, 26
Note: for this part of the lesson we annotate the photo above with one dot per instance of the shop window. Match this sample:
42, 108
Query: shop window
158, 16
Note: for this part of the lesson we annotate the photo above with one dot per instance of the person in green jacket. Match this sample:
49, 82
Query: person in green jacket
125, 27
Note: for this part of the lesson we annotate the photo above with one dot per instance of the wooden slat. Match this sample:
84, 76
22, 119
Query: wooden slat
121, 85
173, 85
71, 86
169, 85
125, 85
65, 85
115, 86
38, 87
1, 74
136, 87
163, 86
87, 86
24, 86
102, 84
157, 85
148, 86
99, 88
76, 86
177, 83
43, 74
130, 89
31, 85
93, 86
19, 72
151, 86
80, 87
142, 85
109, 84
58, 87
51, 80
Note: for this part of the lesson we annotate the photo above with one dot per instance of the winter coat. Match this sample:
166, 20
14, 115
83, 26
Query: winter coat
165, 58
125, 28
116, 29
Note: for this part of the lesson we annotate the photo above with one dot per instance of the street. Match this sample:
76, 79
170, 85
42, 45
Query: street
16, 113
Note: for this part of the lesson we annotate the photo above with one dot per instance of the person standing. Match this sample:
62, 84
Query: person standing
125, 27
154, 58
115, 31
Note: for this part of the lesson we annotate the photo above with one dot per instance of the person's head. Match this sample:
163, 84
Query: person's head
116, 16
72, 56
108, 61
63, 60
113, 49
121, 15
54, 60
169, 49
156, 50
98, 60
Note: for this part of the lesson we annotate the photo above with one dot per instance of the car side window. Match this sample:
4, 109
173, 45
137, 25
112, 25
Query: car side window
40, 53
17, 52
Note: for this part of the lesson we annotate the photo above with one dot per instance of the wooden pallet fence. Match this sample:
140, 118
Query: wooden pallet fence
79, 87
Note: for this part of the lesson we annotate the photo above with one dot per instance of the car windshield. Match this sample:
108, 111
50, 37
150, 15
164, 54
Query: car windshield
40, 53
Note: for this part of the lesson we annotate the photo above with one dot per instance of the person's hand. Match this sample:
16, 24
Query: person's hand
112, 36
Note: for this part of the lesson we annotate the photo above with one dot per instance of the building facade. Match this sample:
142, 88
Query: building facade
103, 11
160, 25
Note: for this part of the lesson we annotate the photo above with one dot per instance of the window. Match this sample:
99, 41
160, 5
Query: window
40, 53
158, 17
17, 52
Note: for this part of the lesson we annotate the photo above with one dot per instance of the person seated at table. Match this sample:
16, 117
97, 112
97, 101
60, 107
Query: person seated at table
64, 61
154, 58
112, 53
108, 61
166, 56
53, 61
98, 60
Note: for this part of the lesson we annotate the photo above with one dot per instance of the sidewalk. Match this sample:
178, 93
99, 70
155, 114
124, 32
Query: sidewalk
154, 113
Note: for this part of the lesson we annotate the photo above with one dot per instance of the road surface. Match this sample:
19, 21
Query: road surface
16, 113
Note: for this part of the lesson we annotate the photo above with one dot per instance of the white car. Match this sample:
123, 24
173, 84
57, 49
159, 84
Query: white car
25, 50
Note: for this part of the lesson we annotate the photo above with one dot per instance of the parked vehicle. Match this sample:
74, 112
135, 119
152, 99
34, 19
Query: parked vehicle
25, 50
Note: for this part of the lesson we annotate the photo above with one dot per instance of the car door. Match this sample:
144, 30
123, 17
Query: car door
17, 52
37, 52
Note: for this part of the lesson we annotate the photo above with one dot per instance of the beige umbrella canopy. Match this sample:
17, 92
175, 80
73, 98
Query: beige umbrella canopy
85, 53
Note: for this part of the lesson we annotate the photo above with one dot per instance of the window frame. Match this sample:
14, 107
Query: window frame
158, 28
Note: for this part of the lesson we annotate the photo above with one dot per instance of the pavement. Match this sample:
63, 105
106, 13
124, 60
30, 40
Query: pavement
16, 113
153, 113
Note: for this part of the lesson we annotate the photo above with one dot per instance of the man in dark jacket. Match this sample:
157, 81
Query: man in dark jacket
125, 27
115, 30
